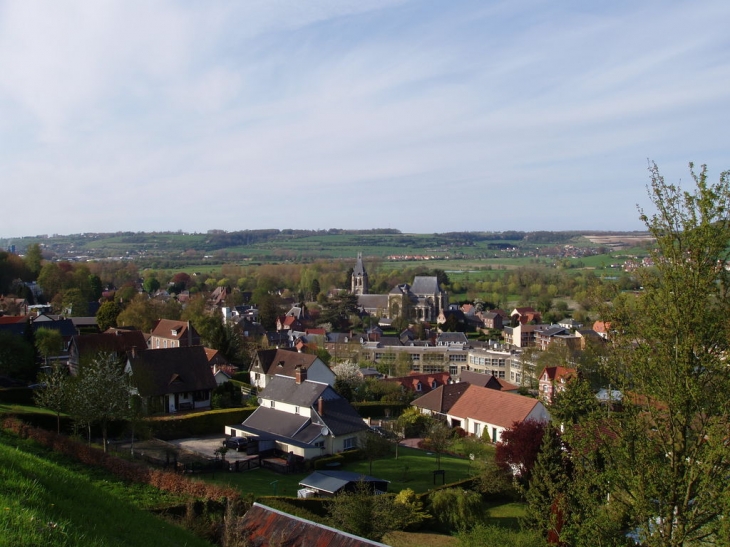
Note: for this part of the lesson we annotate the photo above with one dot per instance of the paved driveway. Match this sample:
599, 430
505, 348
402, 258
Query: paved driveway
206, 446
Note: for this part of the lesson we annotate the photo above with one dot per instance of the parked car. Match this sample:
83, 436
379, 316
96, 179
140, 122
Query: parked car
239, 443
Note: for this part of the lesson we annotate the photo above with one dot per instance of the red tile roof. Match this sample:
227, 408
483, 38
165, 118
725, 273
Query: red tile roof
492, 406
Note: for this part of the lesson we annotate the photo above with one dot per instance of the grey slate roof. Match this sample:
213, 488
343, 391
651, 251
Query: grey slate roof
334, 481
425, 285
285, 390
373, 301
359, 269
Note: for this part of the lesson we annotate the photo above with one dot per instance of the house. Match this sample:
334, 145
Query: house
169, 333
487, 380
525, 315
268, 363
491, 320
301, 417
421, 383
172, 379
553, 380
86, 347
328, 483
602, 329
288, 323
439, 401
265, 527
486, 412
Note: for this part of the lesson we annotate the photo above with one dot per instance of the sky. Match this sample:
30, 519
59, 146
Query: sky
423, 116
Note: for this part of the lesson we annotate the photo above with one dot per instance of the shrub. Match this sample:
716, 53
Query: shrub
456, 509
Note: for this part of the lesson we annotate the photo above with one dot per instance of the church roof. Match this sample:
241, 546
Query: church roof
425, 285
359, 268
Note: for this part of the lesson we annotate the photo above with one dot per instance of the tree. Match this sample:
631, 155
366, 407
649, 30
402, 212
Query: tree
337, 311
438, 437
663, 459
53, 392
151, 284
140, 313
375, 446
33, 260
100, 393
364, 514
48, 342
106, 316
519, 446
17, 357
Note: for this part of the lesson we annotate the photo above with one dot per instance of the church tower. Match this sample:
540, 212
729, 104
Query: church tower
359, 277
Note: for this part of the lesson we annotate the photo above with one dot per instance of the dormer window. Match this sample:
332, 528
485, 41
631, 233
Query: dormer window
174, 332
434, 384
419, 387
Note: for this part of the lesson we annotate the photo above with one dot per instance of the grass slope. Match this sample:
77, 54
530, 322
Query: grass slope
44, 502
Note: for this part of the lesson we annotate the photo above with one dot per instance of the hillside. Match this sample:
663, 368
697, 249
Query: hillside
47, 501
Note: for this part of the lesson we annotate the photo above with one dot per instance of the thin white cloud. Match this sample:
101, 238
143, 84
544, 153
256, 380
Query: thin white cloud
517, 115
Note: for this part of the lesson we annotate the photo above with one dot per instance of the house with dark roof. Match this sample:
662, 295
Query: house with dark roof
169, 333
485, 412
172, 379
439, 401
265, 527
487, 380
421, 383
86, 347
268, 363
302, 417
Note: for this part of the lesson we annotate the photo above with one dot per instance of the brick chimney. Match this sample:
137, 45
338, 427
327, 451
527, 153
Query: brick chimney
300, 374
320, 406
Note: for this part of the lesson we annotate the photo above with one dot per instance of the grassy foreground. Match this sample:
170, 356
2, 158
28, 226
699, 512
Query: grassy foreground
44, 502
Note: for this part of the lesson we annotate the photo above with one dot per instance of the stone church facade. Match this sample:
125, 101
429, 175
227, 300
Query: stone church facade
422, 300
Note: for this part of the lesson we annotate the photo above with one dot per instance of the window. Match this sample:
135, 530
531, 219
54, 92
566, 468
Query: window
271, 404
416, 356
296, 410
349, 442
419, 387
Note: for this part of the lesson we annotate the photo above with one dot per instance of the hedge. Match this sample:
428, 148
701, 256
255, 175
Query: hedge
126, 470
16, 396
378, 409
200, 423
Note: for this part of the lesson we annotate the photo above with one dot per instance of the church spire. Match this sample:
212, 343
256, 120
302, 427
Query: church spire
359, 277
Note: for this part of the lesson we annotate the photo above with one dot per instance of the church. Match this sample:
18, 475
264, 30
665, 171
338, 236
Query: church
422, 300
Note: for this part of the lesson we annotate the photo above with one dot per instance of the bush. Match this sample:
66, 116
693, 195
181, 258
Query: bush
456, 509
379, 409
203, 423
16, 396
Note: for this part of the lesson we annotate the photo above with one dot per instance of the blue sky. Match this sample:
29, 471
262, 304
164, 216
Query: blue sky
426, 116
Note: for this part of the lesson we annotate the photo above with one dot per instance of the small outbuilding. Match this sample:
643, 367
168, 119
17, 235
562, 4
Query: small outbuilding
326, 483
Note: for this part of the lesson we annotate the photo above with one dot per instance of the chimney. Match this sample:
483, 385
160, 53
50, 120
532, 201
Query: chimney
320, 406
134, 352
190, 334
300, 374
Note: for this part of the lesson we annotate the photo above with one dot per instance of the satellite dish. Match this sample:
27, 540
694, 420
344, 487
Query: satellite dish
258, 400
324, 431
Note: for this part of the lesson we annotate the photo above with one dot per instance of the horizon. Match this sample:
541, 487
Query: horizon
433, 117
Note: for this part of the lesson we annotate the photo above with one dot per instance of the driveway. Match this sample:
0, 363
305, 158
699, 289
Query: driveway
206, 446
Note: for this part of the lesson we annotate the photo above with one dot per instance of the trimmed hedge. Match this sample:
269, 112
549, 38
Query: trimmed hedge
16, 396
309, 506
377, 409
201, 423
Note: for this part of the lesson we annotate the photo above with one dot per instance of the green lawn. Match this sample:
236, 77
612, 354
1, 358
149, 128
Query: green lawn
413, 469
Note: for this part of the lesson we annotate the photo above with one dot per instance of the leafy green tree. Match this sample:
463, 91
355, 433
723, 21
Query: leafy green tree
364, 514
54, 392
374, 447
17, 357
456, 509
48, 342
439, 438
106, 316
100, 394
337, 310
659, 466
140, 313
151, 285
75, 301
34, 260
